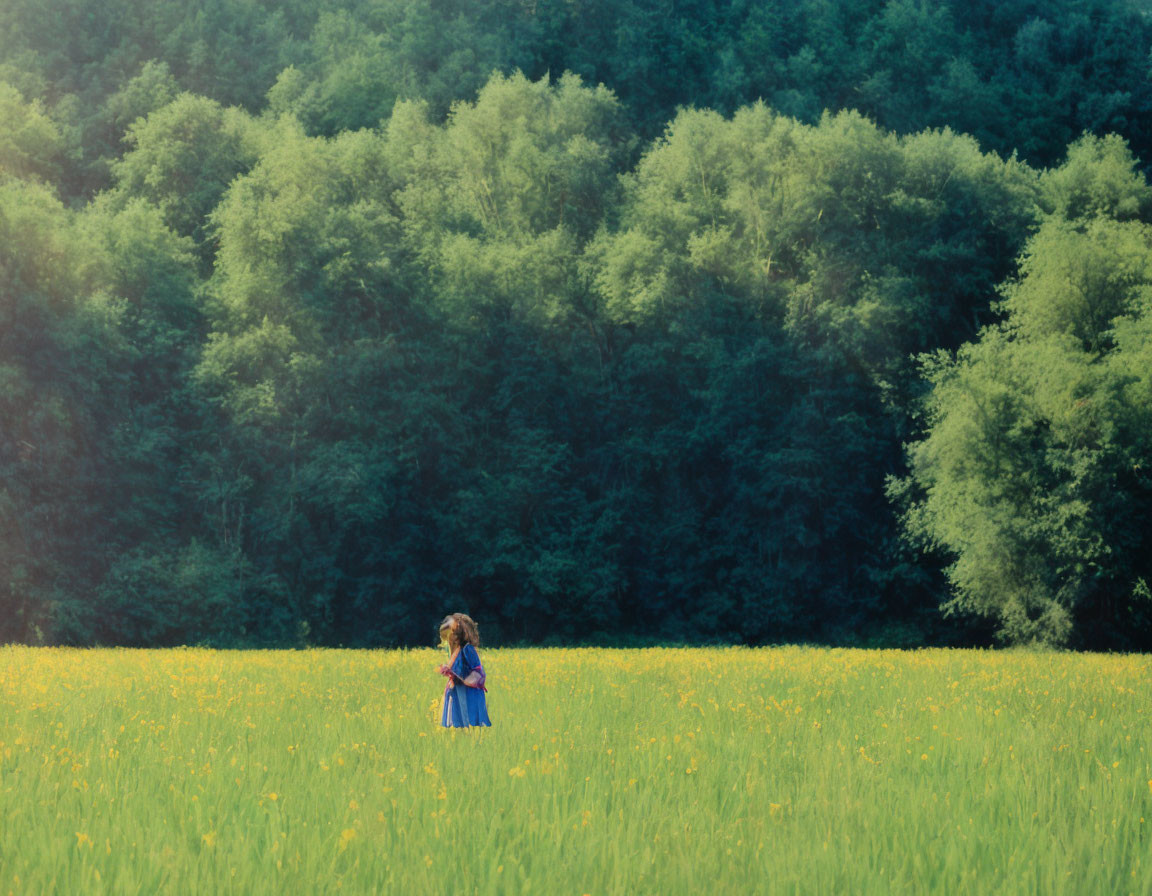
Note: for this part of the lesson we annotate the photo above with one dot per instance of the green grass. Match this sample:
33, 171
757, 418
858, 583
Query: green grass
787, 770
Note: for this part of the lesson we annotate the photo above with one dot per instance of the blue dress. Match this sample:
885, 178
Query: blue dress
465, 706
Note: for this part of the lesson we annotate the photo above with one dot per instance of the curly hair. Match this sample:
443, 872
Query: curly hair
464, 627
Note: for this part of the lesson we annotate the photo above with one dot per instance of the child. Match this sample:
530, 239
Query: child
464, 701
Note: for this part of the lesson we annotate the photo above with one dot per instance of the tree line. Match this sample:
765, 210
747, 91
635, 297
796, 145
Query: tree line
604, 322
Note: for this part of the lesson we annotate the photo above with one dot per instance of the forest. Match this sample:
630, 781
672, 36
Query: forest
605, 321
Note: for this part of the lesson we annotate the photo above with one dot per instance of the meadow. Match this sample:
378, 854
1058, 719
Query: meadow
783, 770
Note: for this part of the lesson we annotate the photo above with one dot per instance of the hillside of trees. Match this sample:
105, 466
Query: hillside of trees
605, 322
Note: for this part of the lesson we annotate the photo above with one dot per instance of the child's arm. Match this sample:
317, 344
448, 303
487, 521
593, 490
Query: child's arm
476, 677
447, 672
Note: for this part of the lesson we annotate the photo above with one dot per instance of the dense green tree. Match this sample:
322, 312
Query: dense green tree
1017, 76
99, 137
598, 319
31, 146
414, 269
183, 156
511, 189
1032, 472
46, 337
817, 258
361, 58
325, 427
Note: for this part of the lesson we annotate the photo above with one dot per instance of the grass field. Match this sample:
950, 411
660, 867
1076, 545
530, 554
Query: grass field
788, 770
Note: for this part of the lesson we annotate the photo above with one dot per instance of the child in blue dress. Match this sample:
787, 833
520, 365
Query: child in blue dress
464, 702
